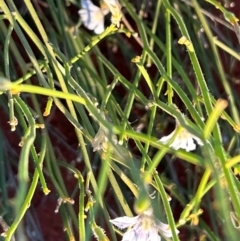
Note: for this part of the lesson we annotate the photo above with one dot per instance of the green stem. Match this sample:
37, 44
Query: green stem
12, 118
169, 54
151, 122
220, 68
153, 30
28, 140
201, 191
217, 135
29, 196
166, 207
94, 41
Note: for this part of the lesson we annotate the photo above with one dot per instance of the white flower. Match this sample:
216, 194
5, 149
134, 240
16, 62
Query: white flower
92, 16
115, 8
182, 139
144, 227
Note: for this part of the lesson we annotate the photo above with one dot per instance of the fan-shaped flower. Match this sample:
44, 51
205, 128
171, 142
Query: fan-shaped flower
144, 227
93, 16
182, 139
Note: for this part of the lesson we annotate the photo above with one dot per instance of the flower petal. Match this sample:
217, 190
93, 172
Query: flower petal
99, 29
154, 237
164, 229
190, 145
183, 140
198, 140
87, 4
130, 235
92, 16
177, 143
124, 222
165, 139
144, 227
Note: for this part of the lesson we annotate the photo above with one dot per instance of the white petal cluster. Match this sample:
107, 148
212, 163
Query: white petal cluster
143, 227
182, 139
92, 16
